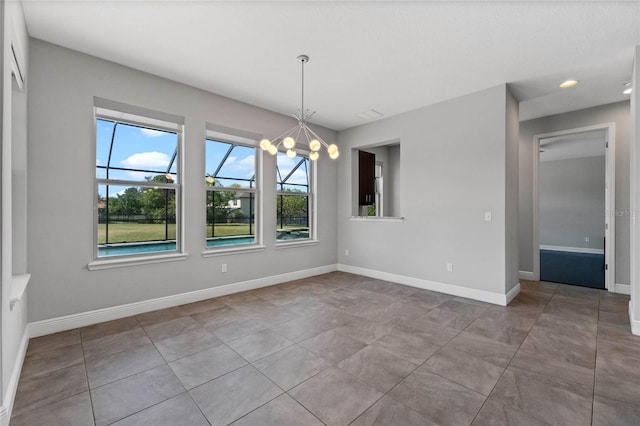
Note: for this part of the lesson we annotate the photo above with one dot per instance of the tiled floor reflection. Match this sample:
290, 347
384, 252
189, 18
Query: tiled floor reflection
339, 349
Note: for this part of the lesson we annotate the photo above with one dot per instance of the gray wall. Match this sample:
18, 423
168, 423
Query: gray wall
452, 171
572, 202
617, 113
61, 188
392, 175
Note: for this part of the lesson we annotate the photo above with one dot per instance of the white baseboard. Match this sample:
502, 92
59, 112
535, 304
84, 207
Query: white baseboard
622, 289
511, 294
455, 290
635, 322
526, 275
12, 387
573, 249
69, 322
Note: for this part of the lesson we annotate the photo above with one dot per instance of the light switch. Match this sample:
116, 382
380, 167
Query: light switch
487, 216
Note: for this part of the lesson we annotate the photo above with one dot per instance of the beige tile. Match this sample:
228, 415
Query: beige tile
335, 397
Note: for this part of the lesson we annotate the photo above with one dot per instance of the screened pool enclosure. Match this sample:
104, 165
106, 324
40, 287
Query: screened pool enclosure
138, 191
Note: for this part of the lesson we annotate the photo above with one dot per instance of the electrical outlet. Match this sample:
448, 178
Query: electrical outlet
346, 252
224, 267
449, 267
586, 239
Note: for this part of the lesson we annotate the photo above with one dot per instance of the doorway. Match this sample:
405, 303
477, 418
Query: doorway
573, 195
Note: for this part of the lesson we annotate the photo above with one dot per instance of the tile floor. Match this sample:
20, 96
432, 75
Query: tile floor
342, 349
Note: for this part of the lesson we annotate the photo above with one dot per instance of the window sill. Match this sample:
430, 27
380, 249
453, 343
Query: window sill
97, 265
234, 250
297, 244
18, 287
376, 219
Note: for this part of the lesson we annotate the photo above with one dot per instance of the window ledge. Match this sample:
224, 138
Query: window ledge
18, 287
234, 250
376, 219
297, 244
97, 265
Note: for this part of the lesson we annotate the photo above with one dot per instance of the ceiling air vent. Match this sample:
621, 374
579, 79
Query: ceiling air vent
369, 115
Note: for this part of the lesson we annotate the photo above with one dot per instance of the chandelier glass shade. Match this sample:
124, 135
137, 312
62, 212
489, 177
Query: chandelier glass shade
301, 133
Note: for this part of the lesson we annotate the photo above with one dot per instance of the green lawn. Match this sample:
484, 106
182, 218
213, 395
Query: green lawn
132, 232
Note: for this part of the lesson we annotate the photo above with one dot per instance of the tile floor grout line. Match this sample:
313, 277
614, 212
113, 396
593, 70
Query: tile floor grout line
595, 365
511, 360
86, 373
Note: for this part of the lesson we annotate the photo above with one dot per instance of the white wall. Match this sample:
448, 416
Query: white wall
617, 113
634, 303
61, 188
572, 202
452, 169
13, 342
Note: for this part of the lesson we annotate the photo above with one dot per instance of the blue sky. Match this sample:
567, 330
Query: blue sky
133, 147
141, 148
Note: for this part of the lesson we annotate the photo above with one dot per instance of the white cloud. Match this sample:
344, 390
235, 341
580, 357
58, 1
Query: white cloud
151, 133
147, 160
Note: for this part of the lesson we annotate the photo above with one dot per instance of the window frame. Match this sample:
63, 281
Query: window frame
312, 203
236, 137
139, 117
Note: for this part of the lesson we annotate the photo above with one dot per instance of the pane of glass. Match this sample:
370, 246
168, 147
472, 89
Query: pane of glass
133, 220
293, 173
137, 153
237, 169
293, 217
230, 218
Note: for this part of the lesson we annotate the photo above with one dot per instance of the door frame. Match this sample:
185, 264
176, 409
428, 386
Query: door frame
610, 199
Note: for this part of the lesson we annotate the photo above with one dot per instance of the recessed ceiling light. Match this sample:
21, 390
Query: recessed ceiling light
568, 83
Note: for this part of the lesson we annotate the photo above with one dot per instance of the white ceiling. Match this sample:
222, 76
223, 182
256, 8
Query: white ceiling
574, 145
391, 57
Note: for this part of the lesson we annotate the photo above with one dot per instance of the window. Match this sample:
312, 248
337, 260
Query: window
294, 198
137, 183
231, 192
376, 181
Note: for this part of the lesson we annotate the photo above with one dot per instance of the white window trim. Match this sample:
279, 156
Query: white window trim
128, 114
313, 215
219, 133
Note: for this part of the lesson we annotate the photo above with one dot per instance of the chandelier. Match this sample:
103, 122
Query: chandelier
301, 132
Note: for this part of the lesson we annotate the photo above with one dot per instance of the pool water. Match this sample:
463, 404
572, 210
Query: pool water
137, 248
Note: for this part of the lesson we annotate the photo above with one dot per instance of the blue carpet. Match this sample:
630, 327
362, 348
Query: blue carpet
585, 269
